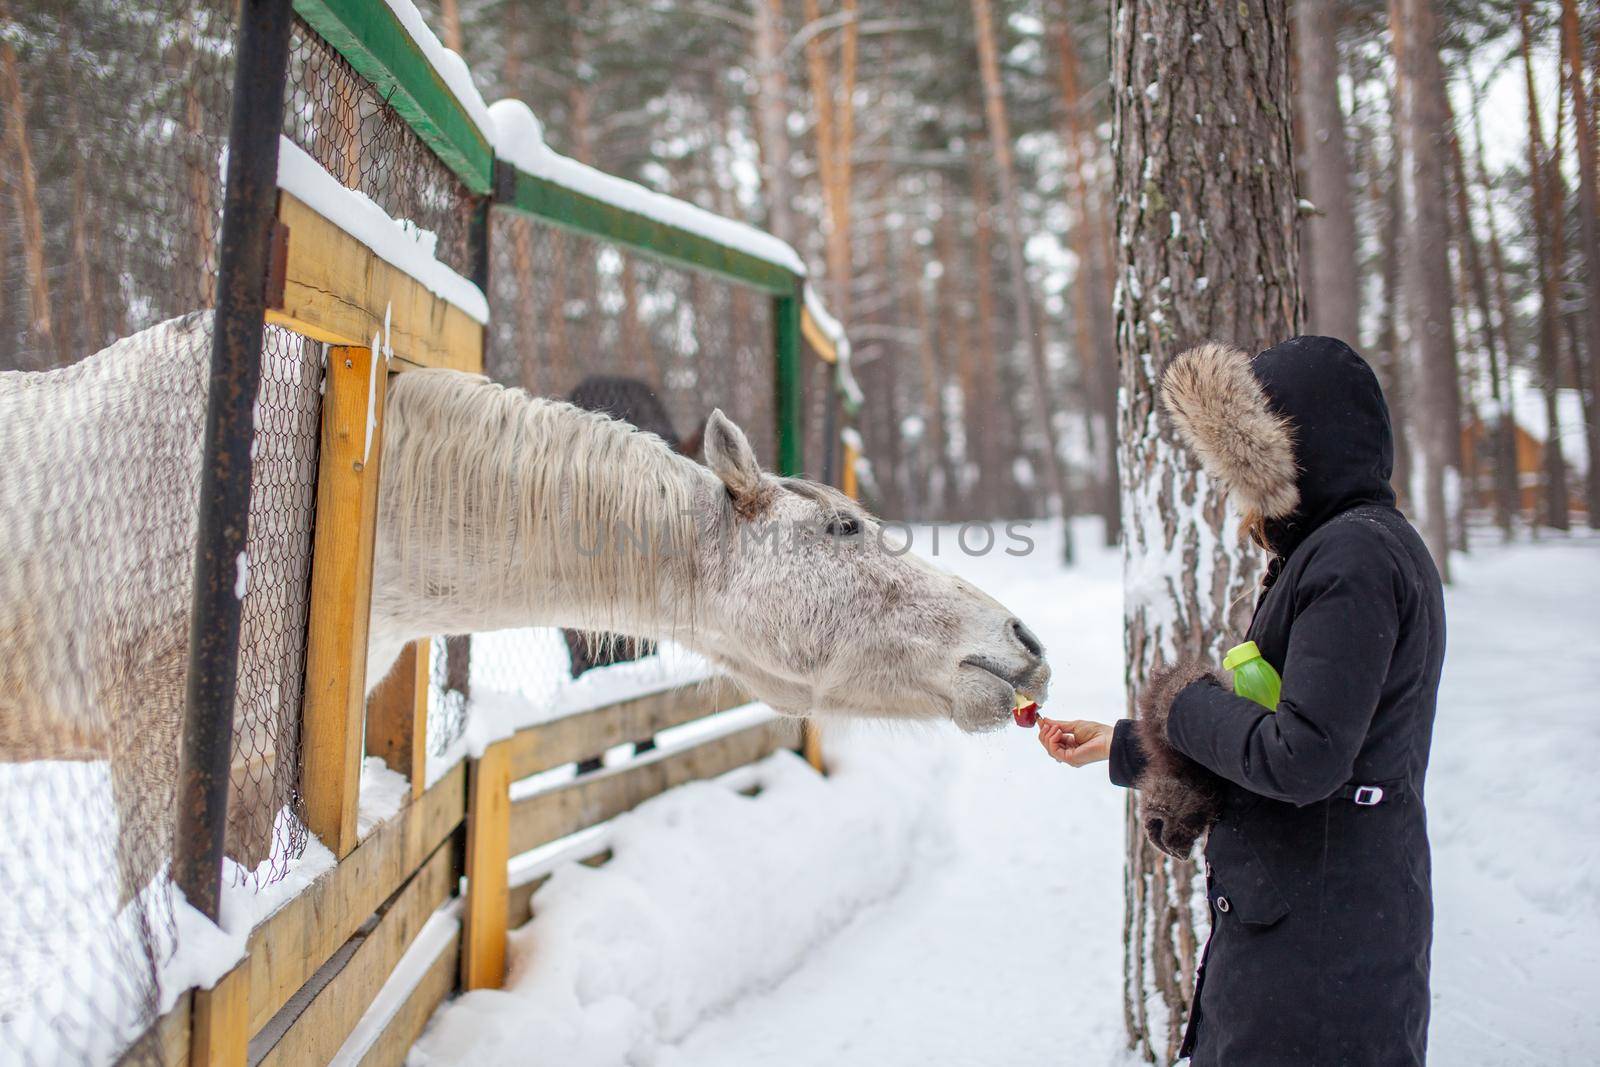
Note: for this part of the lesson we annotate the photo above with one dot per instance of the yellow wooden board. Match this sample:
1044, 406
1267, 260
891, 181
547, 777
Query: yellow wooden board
167, 1041
341, 594
397, 716
391, 1047
818, 340
576, 737
336, 290
594, 798
335, 1009
221, 1027
289, 946
483, 945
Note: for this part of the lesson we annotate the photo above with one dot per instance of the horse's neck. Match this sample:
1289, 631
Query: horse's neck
499, 510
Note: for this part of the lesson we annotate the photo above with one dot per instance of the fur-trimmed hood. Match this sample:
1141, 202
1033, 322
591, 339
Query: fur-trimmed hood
1299, 433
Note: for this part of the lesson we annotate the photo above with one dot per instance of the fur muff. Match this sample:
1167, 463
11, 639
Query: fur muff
1179, 800
1221, 410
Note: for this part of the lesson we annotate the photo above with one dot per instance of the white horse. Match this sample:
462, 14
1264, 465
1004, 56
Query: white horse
496, 509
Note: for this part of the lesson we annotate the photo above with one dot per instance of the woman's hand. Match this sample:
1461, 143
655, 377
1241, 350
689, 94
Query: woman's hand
1077, 743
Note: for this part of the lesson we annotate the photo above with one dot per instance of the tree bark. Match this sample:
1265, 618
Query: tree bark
772, 115
834, 128
1589, 233
25, 195
1332, 283
1505, 439
992, 459
1206, 217
1016, 261
1094, 332
1504, 484
450, 17
1426, 267
1545, 228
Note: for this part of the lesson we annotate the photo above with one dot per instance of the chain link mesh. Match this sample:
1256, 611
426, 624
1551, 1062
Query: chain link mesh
342, 122
113, 119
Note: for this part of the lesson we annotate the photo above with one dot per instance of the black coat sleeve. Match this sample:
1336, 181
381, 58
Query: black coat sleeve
1341, 639
1127, 756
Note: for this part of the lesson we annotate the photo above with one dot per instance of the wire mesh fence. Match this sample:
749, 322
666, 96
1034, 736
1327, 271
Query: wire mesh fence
343, 123
114, 121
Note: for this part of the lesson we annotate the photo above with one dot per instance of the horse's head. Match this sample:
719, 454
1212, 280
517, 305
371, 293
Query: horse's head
810, 604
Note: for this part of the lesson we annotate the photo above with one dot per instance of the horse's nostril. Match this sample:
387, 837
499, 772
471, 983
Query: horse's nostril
1025, 636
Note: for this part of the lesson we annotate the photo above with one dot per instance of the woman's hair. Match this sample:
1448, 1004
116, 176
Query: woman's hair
1253, 528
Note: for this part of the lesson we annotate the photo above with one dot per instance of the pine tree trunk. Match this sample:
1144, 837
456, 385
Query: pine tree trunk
1546, 228
772, 115
1504, 480
25, 194
1206, 216
1332, 283
450, 19
1507, 472
1426, 267
1028, 324
996, 429
1094, 333
1391, 328
1589, 234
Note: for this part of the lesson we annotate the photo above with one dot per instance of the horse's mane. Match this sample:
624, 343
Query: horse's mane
503, 493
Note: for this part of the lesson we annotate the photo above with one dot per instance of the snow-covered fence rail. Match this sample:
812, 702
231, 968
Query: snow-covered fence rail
412, 227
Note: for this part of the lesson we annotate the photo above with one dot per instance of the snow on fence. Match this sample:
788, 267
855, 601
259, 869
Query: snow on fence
369, 840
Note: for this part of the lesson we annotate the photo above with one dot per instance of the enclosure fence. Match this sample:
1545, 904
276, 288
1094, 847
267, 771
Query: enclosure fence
360, 830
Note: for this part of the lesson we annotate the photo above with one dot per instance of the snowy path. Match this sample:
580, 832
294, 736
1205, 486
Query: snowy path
985, 958
1001, 944
1019, 917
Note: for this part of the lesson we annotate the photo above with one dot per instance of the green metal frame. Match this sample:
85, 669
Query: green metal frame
371, 38
789, 386
571, 210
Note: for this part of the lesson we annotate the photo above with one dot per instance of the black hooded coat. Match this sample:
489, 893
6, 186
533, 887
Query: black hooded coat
1317, 868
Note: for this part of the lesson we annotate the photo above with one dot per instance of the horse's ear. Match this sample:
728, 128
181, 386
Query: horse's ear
730, 457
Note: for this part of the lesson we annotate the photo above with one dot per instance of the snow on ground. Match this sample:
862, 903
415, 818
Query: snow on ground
958, 901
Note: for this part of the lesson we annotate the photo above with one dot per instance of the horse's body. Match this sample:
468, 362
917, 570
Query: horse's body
491, 506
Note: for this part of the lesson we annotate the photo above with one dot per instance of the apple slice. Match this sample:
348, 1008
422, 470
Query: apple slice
1025, 711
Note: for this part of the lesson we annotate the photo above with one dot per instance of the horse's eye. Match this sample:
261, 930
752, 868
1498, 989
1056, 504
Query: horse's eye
843, 526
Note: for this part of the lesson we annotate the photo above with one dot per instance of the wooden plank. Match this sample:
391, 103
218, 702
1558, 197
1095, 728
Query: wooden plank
221, 1023
336, 290
811, 744
289, 946
391, 1047
819, 341
341, 594
371, 38
589, 733
571, 210
597, 797
333, 1012
483, 946
397, 716
166, 1042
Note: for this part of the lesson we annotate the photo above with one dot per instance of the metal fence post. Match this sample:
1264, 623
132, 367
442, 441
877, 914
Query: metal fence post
249, 206
789, 398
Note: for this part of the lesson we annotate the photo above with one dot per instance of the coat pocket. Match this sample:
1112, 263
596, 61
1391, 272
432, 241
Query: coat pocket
1239, 884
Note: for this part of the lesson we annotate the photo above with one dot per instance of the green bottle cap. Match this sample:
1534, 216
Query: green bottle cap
1239, 655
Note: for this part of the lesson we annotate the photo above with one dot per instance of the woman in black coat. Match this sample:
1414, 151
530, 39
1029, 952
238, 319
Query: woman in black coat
1317, 865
